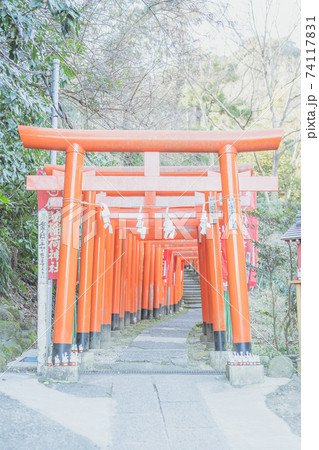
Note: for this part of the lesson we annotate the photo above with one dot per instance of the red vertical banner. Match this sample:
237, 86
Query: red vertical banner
52, 201
222, 231
250, 230
167, 256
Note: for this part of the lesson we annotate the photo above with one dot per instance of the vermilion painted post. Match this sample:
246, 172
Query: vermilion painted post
128, 279
201, 281
165, 282
177, 282
165, 299
86, 271
174, 298
237, 281
123, 286
136, 287
158, 280
68, 262
108, 287
140, 279
162, 299
170, 286
146, 279
182, 281
117, 280
97, 283
103, 343
209, 279
133, 280
208, 292
216, 276
151, 283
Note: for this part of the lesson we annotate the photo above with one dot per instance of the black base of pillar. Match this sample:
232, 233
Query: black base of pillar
115, 322
144, 314
105, 335
204, 328
122, 325
84, 340
210, 332
243, 347
150, 314
133, 318
171, 309
60, 349
220, 341
127, 318
95, 339
156, 313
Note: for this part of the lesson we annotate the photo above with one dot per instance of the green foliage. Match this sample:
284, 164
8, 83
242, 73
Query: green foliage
275, 268
5, 268
32, 34
273, 254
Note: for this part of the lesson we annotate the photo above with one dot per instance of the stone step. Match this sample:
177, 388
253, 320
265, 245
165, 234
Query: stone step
191, 291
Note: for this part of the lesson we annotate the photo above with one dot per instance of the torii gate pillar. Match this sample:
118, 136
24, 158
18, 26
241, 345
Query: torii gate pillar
237, 281
65, 296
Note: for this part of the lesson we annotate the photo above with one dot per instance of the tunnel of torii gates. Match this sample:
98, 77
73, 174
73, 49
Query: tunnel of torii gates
129, 268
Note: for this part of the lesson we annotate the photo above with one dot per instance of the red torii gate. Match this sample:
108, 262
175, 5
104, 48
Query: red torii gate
227, 145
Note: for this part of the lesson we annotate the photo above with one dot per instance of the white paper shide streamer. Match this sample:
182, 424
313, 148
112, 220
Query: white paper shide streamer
204, 223
106, 216
140, 224
169, 228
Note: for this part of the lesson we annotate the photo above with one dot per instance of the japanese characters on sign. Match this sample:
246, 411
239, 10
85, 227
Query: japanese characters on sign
42, 246
52, 203
54, 238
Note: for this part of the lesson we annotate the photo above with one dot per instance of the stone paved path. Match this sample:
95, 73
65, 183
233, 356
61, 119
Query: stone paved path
136, 411
161, 347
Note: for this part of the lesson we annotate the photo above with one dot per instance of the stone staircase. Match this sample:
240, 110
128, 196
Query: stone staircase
192, 294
